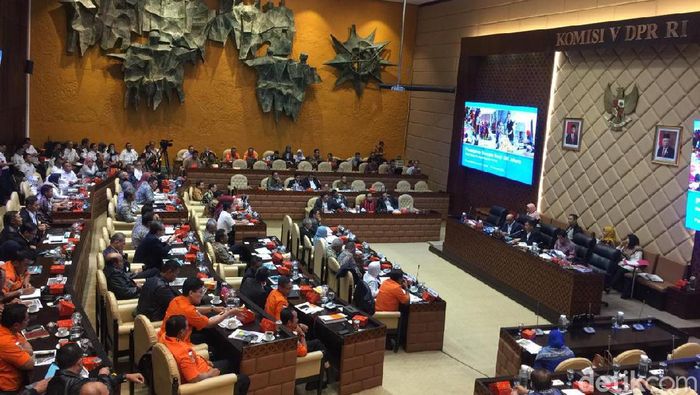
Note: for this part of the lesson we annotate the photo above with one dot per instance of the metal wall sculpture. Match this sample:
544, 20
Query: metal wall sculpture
358, 59
177, 33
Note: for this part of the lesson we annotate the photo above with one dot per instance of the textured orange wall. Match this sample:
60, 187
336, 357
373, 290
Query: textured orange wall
73, 97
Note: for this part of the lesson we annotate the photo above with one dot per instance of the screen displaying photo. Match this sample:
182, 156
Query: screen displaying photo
692, 211
500, 139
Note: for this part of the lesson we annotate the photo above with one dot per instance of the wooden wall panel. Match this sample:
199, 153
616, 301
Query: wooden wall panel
13, 43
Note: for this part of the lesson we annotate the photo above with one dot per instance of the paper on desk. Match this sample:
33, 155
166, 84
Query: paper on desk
265, 257
164, 238
529, 346
265, 240
178, 282
546, 256
557, 383
251, 336
572, 391
414, 298
262, 250
44, 357
179, 251
309, 308
55, 239
169, 230
35, 294
56, 280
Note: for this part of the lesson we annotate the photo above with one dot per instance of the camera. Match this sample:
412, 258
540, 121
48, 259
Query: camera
164, 144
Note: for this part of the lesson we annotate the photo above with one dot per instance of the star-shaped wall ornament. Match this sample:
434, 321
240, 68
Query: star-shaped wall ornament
359, 59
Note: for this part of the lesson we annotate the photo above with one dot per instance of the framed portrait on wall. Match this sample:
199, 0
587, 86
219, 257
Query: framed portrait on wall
571, 137
667, 145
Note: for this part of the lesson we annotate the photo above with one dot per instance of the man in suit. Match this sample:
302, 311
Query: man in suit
11, 222
531, 235
387, 203
511, 227
324, 204
30, 214
151, 251
118, 280
572, 135
256, 288
21, 241
296, 184
665, 151
156, 292
311, 182
573, 227
307, 229
338, 201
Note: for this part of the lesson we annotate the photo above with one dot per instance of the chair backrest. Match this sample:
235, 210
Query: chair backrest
383, 169
279, 164
604, 258
573, 363
111, 212
359, 199
421, 186
26, 189
309, 365
105, 234
286, 228
346, 285
263, 182
180, 154
109, 193
629, 357
112, 309
362, 167
260, 165
101, 244
584, 246
144, 336
117, 186
239, 181
110, 226
345, 167
325, 167
294, 240
319, 255
165, 370
100, 261
548, 234
379, 186
268, 153
687, 350
403, 186
311, 202
335, 183
210, 252
305, 166
497, 215
287, 181
406, 201
226, 152
13, 204
101, 282
239, 164
331, 280
358, 185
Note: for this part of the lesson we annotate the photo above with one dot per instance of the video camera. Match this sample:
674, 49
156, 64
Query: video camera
164, 144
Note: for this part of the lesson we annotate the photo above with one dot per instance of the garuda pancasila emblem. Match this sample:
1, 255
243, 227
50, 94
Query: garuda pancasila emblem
619, 107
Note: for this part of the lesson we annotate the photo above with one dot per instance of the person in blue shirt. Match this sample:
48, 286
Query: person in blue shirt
144, 194
553, 353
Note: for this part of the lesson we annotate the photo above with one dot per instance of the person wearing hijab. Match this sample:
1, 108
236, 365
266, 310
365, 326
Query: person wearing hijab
371, 277
531, 212
551, 355
321, 233
610, 237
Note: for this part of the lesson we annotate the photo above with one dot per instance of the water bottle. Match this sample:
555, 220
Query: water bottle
523, 376
295, 269
692, 282
463, 219
563, 323
643, 370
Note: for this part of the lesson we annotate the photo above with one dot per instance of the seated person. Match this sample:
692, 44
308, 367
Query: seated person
23, 241
187, 305
631, 252
256, 288
299, 156
531, 212
118, 281
541, 382
254, 263
609, 237
387, 203
371, 277
290, 320
11, 221
338, 201
356, 161
369, 204
564, 244
208, 196
343, 184
573, 227
30, 214
551, 355
198, 191
324, 204
250, 156
306, 230
151, 251
209, 231
334, 248
231, 155
141, 226
89, 169
511, 227
277, 299
16, 276
221, 252
145, 192
296, 184
67, 177
311, 182
127, 209
315, 217
69, 379
392, 292
530, 233
156, 292
274, 182
16, 354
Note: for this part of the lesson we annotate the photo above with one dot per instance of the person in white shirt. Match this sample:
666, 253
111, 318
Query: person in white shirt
90, 153
70, 154
27, 168
299, 156
138, 170
226, 221
89, 168
188, 153
68, 177
128, 155
29, 148
18, 158
57, 166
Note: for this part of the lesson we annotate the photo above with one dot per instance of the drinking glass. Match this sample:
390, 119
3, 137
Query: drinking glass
331, 296
616, 370
569, 377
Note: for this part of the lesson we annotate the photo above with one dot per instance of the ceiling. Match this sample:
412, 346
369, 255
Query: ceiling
412, 1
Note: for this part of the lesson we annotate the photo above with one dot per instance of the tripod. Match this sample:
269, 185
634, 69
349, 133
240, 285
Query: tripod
163, 156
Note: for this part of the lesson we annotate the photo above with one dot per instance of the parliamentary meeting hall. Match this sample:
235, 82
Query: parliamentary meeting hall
384, 197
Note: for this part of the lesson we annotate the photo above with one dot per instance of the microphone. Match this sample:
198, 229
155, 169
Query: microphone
417, 272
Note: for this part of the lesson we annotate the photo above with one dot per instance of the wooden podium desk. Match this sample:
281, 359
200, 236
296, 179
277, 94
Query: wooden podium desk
389, 228
538, 284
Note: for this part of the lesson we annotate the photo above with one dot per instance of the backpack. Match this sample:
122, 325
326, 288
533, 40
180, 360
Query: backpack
362, 298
